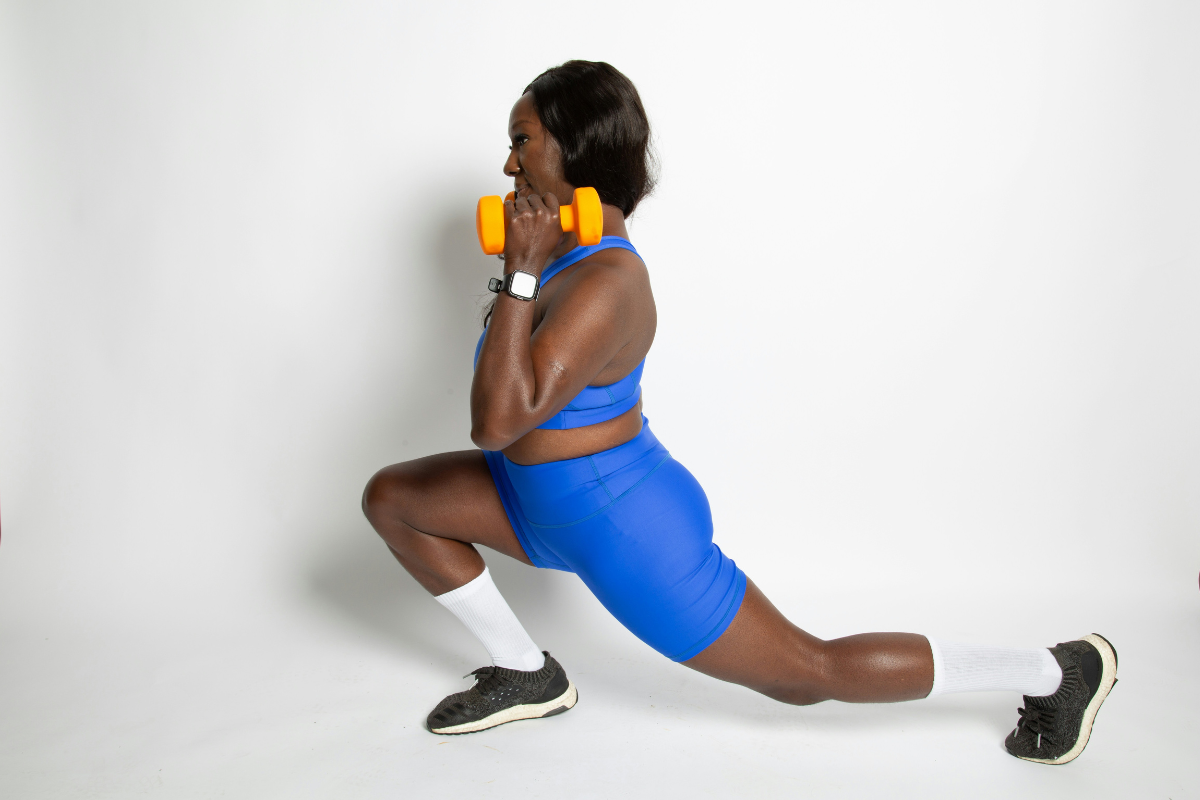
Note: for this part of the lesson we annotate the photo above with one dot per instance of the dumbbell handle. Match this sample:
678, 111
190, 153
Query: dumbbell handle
566, 214
584, 216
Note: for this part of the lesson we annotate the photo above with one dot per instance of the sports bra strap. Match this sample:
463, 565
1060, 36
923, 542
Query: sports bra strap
580, 253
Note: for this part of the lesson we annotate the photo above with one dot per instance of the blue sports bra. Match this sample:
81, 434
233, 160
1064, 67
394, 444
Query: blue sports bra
595, 403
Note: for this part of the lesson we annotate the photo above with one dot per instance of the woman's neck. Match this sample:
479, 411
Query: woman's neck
614, 225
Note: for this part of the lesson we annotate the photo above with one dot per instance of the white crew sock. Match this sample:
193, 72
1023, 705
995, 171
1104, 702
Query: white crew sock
980, 668
480, 607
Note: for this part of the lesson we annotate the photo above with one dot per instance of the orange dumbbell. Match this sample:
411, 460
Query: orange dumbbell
584, 216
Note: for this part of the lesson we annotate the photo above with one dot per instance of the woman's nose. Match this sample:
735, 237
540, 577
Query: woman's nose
512, 166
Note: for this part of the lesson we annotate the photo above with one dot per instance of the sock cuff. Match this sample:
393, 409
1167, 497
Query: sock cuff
939, 668
467, 590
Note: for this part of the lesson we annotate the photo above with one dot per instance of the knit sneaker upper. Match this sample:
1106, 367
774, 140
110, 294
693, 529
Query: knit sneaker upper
1050, 727
497, 689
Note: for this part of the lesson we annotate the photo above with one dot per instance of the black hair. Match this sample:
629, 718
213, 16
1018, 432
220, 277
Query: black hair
596, 116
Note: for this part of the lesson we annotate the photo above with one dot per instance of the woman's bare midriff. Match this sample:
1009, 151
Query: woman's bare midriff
541, 446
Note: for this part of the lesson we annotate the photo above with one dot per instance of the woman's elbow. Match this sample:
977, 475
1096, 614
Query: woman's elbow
489, 436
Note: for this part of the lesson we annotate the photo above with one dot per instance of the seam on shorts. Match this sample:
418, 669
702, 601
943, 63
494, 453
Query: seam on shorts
609, 505
603, 485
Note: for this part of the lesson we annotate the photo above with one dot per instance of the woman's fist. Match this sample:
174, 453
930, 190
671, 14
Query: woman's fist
534, 230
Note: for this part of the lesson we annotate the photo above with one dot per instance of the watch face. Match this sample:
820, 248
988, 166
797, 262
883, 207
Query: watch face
523, 285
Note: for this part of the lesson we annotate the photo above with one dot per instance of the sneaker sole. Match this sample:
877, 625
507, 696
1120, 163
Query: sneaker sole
558, 705
1108, 657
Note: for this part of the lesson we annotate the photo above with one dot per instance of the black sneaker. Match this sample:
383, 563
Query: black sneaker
1055, 729
503, 695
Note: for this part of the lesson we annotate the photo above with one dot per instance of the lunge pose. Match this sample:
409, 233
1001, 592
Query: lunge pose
569, 476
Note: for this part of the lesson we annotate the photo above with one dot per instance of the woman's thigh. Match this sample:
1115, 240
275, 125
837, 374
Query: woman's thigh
648, 556
448, 496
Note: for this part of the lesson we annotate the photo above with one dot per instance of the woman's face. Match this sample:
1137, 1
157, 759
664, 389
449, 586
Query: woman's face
534, 159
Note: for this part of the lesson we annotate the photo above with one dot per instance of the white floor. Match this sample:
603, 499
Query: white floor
325, 697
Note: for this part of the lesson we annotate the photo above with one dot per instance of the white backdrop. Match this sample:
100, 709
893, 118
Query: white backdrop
238, 274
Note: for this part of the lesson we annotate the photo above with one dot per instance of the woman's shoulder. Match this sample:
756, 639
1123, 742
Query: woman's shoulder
619, 256
614, 275
612, 267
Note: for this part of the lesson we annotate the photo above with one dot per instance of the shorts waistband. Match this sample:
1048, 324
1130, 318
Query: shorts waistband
584, 467
561, 493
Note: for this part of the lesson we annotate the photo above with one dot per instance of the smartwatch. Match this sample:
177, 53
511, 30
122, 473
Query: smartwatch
521, 285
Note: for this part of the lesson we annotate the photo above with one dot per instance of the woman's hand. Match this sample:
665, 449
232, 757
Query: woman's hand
534, 231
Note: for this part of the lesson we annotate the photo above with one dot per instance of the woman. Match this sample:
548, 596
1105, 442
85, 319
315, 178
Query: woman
570, 477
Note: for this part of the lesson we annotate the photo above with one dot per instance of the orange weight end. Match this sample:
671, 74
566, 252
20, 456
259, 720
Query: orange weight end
589, 216
489, 224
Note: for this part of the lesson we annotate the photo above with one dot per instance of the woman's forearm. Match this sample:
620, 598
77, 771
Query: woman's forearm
504, 396
507, 398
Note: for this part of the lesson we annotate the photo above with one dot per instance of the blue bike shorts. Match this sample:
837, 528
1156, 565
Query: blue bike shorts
636, 527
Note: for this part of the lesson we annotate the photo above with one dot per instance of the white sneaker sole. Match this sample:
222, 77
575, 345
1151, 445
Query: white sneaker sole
564, 701
1109, 659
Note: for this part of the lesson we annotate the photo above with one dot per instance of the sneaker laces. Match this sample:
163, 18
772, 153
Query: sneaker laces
1037, 722
1039, 713
486, 678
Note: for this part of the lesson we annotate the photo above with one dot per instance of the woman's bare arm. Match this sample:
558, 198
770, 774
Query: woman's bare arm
523, 378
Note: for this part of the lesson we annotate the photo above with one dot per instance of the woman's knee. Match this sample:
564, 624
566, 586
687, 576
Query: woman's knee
390, 494
809, 679
802, 693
